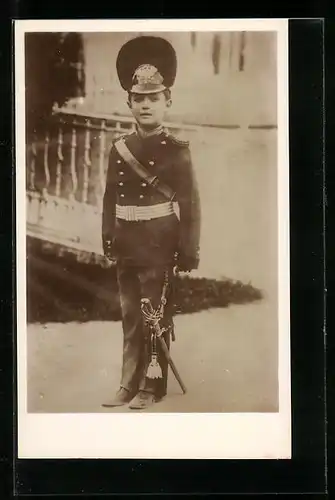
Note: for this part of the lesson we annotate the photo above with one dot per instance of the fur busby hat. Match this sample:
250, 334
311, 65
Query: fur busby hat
146, 64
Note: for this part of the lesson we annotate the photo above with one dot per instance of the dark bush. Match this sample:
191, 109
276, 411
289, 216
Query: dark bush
62, 289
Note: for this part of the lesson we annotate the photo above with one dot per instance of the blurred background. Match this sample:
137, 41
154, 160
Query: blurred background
231, 76
225, 103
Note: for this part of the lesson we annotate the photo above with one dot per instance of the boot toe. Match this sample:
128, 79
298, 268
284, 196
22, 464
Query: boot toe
142, 400
122, 397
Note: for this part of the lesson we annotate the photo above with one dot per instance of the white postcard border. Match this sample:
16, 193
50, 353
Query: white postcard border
244, 436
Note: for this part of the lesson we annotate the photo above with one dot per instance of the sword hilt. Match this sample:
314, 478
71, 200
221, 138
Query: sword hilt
153, 317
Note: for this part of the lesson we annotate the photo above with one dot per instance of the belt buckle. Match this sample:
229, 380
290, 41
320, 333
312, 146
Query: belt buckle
131, 214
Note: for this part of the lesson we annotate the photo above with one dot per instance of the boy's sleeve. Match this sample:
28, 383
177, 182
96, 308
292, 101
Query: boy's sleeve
187, 195
108, 206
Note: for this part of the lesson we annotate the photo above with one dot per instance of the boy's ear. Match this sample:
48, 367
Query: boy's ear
129, 103
168, 103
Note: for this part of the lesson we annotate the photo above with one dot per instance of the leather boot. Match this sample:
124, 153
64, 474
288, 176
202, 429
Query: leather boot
142, 400
122, 397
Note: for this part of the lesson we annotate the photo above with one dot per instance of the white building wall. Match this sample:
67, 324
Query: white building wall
199, 96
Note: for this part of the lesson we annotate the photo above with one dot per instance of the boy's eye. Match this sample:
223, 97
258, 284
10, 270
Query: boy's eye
139, 98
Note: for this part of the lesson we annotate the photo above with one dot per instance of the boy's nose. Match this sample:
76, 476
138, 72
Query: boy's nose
146, 102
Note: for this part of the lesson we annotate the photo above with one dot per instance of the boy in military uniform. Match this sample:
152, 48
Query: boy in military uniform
141, 228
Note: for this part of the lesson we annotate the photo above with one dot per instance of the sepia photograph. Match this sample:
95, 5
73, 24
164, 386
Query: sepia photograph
153, 239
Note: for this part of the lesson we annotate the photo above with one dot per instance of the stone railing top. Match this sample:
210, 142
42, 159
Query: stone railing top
114, 117
181, 125
118, 117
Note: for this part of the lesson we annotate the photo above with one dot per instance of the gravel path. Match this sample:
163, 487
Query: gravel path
226, 357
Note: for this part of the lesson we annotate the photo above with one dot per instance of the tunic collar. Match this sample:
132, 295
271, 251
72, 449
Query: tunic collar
144, 134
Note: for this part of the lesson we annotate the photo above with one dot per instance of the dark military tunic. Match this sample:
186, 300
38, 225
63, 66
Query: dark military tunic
145, 249
155, 241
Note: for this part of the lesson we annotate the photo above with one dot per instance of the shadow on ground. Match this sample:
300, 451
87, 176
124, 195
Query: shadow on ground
61, 289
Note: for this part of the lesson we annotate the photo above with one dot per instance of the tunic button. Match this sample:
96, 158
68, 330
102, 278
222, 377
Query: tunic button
141, 196
121, 173
118, 161
163, 142
151, 163
143, 184
120, 183
122, 195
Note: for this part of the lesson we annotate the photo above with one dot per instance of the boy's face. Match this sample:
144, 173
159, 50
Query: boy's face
149, 109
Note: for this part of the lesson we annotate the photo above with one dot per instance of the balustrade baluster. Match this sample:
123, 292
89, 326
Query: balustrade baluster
73, 163
102, 160
32, 168
45, 188
32, 195
118, 129
60, 160
87, 162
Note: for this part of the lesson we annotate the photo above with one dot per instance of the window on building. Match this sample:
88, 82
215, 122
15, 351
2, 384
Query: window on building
216, 50
241, 60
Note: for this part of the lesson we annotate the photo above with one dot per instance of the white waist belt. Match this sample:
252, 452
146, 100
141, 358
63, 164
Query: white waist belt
137, 213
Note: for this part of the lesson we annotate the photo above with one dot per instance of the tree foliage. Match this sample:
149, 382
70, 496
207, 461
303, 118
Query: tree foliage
54, 71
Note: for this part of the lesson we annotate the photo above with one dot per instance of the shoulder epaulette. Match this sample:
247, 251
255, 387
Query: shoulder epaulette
122, 136
179, 141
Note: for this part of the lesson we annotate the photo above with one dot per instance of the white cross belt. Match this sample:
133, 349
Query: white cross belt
146, 212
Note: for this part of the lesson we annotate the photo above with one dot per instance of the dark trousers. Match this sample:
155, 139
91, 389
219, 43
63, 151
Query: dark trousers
134, 284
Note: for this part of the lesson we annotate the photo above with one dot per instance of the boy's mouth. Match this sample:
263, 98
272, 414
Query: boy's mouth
145, 115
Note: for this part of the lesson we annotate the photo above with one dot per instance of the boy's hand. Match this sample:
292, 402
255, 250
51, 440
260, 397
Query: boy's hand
186, 264
177, 271
108, 250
